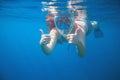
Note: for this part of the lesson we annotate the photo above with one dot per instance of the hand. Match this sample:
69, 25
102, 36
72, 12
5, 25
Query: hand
72, 38
45, 38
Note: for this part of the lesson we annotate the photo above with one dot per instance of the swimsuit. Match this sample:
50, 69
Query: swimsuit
87, 27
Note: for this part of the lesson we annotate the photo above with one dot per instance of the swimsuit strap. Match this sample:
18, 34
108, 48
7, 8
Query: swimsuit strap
89, 25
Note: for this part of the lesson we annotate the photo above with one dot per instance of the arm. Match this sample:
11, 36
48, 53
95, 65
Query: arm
78, 38
81, 42
47, 48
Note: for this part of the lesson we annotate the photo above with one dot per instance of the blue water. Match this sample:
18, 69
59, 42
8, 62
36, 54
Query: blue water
21, 57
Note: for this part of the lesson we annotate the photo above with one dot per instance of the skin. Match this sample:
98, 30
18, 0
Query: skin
48, 41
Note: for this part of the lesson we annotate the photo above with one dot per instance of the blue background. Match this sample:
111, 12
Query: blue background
21, 57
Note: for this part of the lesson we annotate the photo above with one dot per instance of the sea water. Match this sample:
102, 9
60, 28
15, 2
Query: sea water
21, 57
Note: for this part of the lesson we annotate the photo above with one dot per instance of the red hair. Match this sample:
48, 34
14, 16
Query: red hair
50, 20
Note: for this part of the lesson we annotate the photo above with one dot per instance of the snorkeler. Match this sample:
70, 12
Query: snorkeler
74, 34
70, 27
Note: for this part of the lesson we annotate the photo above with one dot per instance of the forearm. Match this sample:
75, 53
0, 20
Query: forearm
81, 45
81, 49
49, 47
80, 42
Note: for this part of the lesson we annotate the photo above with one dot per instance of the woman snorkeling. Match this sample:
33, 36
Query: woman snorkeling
70, 27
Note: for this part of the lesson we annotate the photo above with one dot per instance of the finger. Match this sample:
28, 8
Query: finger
47, 40
46, 36
67, 37
70, 41
44, 42
70, 37
41, 31
41, 42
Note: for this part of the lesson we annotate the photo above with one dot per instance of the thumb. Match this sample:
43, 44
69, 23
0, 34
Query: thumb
41, 31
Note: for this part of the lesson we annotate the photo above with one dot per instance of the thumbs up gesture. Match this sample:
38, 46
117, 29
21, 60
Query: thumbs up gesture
45, 38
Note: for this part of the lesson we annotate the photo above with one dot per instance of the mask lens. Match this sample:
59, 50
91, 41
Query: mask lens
64, 24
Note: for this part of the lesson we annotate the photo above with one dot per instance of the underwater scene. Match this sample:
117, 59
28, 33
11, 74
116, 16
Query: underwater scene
21, 55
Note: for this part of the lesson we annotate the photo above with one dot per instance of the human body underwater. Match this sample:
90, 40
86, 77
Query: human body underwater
70, 26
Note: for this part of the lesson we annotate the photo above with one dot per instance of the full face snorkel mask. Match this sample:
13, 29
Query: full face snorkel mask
64, 23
